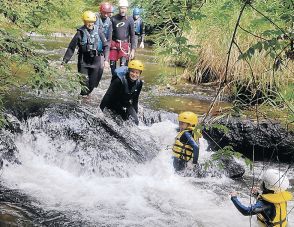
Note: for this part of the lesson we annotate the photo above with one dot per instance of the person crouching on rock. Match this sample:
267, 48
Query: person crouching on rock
123, 93
93, 51
271, 205
186, 146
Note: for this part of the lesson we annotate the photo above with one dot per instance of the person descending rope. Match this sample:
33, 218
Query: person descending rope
123, 33
139, 28
271, 205
123, 93
93, 51
186, 143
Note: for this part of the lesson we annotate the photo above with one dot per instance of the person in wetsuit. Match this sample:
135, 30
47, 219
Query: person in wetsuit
122, 45
103, 21
139, 28
271, 204
93, 52
186, 146
123, 93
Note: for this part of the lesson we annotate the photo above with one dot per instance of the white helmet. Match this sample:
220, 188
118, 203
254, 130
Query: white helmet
123, 3
275, 180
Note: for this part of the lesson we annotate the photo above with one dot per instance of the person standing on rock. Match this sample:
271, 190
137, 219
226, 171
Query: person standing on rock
271, 205
123, 93
186, 146
92, 54
122, 45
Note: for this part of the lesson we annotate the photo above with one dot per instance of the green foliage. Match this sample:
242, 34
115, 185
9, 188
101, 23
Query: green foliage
275, 21
41, 15
18, 53
170, 20
226, 152
20, 63
220, 127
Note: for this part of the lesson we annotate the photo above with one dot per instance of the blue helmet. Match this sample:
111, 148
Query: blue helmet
136, 11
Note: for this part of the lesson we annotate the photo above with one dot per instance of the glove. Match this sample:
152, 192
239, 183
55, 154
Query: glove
142, 45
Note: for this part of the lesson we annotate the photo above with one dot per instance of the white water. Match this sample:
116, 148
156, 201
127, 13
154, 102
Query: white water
151, 196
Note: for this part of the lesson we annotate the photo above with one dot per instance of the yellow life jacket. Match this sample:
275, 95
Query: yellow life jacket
280, 201
184, 151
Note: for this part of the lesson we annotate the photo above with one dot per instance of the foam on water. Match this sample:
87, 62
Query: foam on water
152, 195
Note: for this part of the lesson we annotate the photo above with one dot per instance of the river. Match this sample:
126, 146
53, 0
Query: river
60, 182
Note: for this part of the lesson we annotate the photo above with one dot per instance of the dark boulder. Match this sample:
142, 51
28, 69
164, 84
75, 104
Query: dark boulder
267, 140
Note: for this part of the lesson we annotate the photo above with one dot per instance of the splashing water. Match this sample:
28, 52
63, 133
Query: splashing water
150, 195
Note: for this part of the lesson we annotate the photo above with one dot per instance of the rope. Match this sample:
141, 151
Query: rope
121, 48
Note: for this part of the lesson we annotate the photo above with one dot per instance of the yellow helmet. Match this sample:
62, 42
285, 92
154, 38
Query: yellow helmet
188, 117
89, 16
136, 64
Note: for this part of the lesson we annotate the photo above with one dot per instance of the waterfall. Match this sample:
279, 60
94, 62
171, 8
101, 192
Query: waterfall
111, 173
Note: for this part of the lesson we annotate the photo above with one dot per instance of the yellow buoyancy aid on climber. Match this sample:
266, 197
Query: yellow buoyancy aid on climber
280, 201
185, 151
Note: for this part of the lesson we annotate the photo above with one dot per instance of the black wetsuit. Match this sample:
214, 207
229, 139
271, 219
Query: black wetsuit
89, 63
122, 102
122, 30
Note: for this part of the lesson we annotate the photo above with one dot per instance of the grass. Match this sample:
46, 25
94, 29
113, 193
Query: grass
214, 34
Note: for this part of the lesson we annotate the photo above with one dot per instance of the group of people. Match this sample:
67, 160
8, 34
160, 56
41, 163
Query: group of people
272, 195
104, 40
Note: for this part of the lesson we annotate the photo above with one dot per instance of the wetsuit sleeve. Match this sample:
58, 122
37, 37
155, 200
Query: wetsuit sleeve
71, 47
188, 138
105, 44
132, 33
257, 208
110, 30
142, 31
136, 97
111, 94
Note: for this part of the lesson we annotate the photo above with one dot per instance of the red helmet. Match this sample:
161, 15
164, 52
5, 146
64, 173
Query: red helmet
105, 7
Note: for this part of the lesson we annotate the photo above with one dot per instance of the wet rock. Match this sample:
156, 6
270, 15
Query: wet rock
268, 139
12, 124
23, 105
231, 168
150, 117
8, 149
18, 209
105, 146
225, 166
